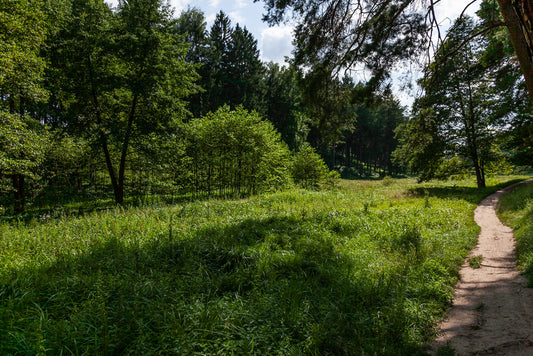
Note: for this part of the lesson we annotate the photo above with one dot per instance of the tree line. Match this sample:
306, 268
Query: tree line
93, 93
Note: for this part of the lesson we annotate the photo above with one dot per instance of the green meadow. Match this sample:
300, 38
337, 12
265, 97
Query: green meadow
365, 268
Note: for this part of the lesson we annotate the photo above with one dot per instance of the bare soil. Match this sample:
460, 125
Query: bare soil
492, 312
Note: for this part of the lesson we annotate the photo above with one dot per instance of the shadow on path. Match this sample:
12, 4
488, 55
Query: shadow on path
493, 308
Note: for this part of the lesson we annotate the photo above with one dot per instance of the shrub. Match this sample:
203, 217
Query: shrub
387, 181
236, 152
310, 171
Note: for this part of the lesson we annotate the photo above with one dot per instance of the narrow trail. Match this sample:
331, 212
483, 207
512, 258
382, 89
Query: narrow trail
492, 312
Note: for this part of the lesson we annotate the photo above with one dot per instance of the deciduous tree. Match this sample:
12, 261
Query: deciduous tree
454, 117
23, 31
124, 76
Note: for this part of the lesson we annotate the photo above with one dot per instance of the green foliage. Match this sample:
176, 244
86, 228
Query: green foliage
455, 167
499, 58
23, 30
297, 272
23, 144
123, 76
192, 24
24, 27
282, 95
235, 152
475, 261
456, 116
309, 170
372, 143
328, 104
515, 209
421, 147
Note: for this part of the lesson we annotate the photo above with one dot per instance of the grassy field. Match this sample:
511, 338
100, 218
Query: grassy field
367, 268
516, 210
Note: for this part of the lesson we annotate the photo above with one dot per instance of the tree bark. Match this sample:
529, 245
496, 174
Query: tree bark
119, 192
18, 193
102, 134
518, 30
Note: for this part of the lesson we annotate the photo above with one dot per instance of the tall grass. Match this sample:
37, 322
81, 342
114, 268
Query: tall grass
515, 209
364, 269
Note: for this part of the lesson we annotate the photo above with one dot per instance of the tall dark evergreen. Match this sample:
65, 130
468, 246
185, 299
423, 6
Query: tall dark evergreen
244, 70
282, 102
368, 149
329, 106
230, 69
192, 25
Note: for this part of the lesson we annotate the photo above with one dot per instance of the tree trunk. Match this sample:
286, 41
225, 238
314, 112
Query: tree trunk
103, 137
480, 177
473, 147
521, 35
18, 193
119, 191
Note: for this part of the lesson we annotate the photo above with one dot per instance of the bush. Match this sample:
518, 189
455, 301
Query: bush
310, 171
235, 152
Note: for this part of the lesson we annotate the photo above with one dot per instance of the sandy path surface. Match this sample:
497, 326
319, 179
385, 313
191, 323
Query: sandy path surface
492, 313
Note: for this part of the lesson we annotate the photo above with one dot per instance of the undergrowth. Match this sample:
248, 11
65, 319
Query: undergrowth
367, 268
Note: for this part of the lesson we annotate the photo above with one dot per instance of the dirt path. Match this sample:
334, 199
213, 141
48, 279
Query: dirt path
492, 313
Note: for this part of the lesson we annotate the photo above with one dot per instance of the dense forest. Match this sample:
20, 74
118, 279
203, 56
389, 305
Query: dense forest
134, 100
130, 101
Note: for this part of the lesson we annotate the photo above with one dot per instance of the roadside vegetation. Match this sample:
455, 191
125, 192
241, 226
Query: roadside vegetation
516, 211
367, 267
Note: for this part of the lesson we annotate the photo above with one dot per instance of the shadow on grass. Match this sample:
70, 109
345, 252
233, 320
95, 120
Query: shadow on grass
79, 206
259, 286
470, 194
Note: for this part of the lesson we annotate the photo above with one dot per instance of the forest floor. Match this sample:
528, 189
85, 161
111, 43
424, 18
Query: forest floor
492, 313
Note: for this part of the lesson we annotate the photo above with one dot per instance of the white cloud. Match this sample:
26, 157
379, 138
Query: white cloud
237, 18
240, 4
276, 43
214, 3
447, 11
179, 6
